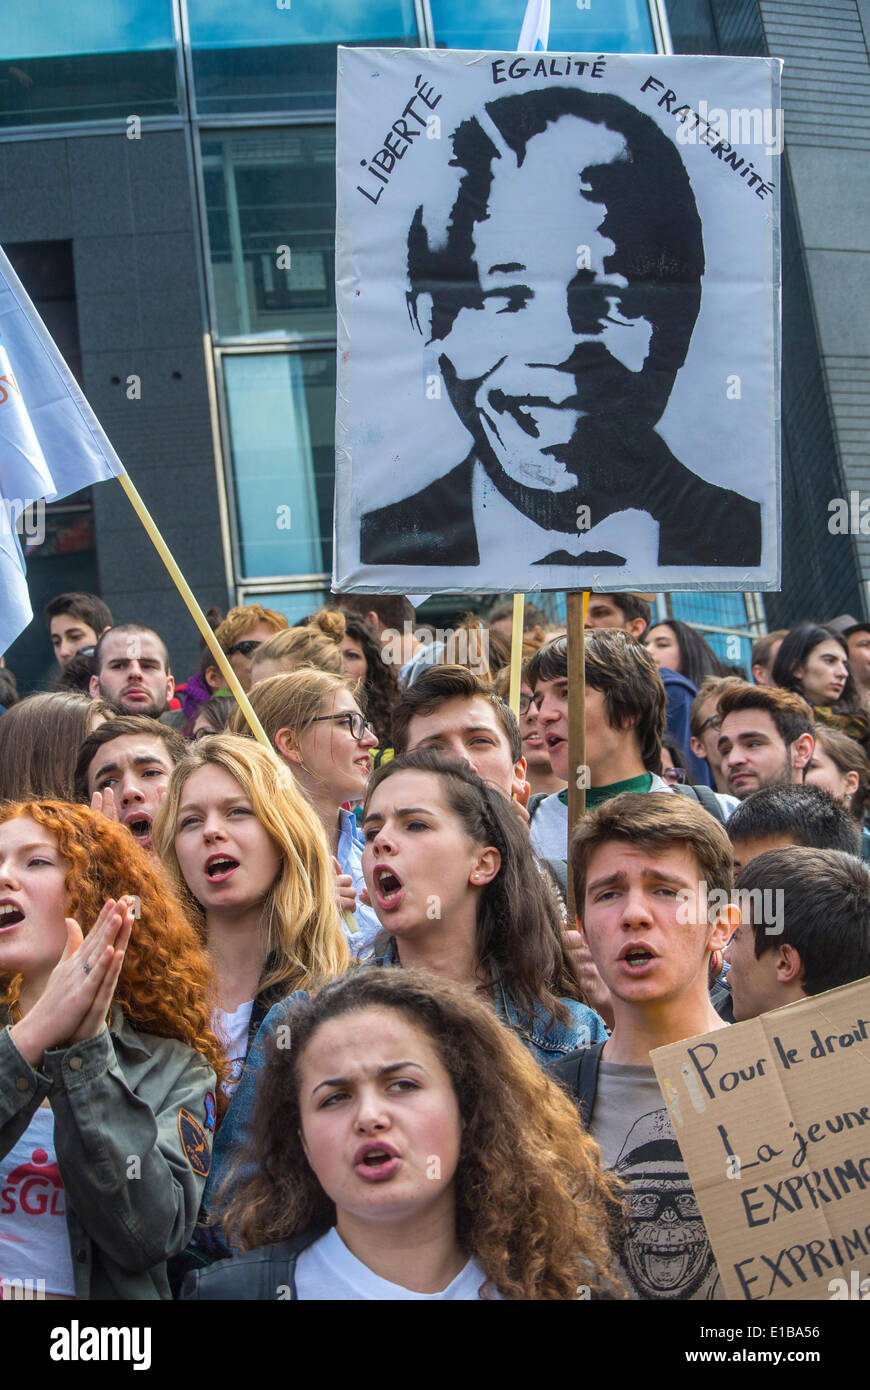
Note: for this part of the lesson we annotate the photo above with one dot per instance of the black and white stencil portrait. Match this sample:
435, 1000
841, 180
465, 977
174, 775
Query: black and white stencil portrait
558, 304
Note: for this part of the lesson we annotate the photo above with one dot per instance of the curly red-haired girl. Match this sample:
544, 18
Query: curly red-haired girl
108, 1064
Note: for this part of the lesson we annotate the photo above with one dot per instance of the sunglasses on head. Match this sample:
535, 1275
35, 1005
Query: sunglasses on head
245, 647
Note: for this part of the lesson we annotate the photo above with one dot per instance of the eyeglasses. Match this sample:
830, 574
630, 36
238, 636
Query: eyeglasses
245, 647
713, 722
674, 774
354, 722
525, 704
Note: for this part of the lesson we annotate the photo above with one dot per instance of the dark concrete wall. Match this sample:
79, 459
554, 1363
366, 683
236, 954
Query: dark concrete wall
127, 206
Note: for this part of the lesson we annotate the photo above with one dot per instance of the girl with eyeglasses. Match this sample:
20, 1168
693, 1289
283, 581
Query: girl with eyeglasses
315, 725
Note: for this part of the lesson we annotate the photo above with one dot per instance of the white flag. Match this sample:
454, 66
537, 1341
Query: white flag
51, 443
535, 33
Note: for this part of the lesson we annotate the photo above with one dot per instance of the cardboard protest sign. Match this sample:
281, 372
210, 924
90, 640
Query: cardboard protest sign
772, 1117
558, 309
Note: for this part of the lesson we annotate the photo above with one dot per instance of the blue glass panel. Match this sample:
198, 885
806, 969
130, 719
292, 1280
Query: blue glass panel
53, 28
604, 26
271, 56
83, 62
722, 610
270, 197
281, 410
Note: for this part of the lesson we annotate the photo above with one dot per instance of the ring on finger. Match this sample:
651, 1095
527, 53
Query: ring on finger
86, 968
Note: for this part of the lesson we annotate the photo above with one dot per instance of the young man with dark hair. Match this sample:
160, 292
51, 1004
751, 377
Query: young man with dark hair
822, 934
764, 650
625, 720
123, 769
628, 612
704, 723
131, 671
798, 815
644, 869
378, 610
450, 709
765, 737
75, 621
393, 619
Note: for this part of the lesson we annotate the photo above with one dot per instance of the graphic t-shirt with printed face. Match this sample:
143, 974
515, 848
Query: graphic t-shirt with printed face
232, 1030
666, 1253
34, 1239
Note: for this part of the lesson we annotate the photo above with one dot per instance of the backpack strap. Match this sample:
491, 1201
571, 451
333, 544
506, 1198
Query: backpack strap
558, 870
579, 1075
708, 799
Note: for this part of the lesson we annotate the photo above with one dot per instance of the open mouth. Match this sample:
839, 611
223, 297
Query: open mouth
10, 916
375, 1163
553, 740
388, 888
220, 867
638, 955
140, 828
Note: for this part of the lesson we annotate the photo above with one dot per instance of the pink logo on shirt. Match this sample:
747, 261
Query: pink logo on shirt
35, 1188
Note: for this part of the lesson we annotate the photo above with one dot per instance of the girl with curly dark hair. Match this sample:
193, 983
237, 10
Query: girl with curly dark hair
407, 1147
108, 1064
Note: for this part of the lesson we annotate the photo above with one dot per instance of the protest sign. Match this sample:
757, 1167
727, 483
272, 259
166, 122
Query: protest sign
772, 1117
558, 322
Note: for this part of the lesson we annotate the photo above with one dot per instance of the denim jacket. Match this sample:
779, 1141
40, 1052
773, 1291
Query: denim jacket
546, 1039
116, 1096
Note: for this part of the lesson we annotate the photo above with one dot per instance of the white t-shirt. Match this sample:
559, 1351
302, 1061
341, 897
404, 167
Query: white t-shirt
232, 1030
34, 1240
328, 1270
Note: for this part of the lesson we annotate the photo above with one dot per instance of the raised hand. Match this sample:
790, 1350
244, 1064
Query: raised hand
105, 801
344, 889
520, 793
76, 998
595, 991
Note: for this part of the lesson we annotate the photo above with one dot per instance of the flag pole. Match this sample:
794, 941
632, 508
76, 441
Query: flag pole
516, 653
181, 584
576, 604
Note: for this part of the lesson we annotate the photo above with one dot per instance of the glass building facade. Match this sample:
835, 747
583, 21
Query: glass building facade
244, 98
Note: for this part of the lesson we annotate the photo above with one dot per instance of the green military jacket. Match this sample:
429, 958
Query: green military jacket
133, 1116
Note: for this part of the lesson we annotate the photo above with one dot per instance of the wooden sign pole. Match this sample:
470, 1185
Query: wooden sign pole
576, 604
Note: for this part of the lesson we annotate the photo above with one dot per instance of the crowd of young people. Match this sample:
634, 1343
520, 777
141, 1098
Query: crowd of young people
310, 1021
